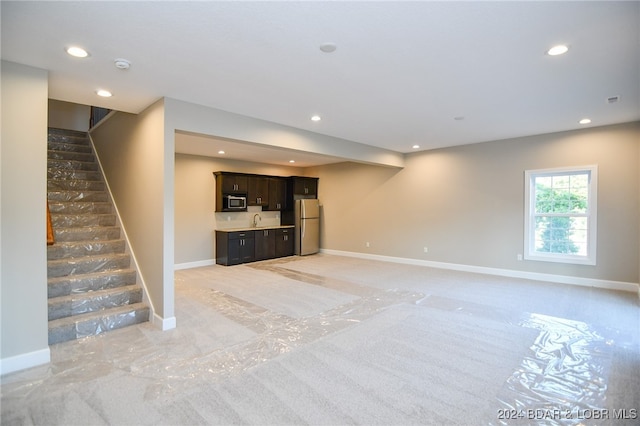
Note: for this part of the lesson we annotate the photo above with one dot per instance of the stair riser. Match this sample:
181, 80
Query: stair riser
86, 266
72, 165
84, 248
66, 155
86, 283
85, 196
66, 174
77, 221
94, 326
80, 208
93, 304
69, 139
69, 147
75, 185
86, 234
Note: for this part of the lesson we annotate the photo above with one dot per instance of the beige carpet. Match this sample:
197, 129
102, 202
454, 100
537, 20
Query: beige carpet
330, 340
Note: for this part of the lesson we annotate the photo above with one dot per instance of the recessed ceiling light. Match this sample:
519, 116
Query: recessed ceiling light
328, 47
585, 121
292, 161
415, 146
316, 118
557, 50
221, 152
78, 52
104, 93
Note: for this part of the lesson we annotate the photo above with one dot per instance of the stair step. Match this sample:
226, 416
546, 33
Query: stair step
82, 303
90, 285
72, 165
87, 264
68, 136
76, 184
68, 174
80, 326
70, 155
100, 233
65, 250
69, 147
80, 208
65, 286
85, 196
80, 220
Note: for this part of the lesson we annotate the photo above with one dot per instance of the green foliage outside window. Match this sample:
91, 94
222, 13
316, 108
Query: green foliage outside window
561, 203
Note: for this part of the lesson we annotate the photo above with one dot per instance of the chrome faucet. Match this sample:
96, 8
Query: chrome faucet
256, 217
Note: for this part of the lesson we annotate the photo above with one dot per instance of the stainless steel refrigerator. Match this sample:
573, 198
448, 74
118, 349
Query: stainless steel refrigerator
307, 222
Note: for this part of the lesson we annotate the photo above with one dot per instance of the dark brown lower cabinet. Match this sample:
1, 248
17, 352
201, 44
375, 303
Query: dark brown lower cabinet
233, 248
265, 244
284, 242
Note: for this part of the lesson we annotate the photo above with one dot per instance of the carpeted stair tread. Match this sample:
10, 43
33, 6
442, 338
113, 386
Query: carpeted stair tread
72, 165
75, 185
82, 220
75, 249
93, 301
69, 147
78, 207
93, 281
66, 196
87, 233
90, 324
87, 264
54, 154
65, 174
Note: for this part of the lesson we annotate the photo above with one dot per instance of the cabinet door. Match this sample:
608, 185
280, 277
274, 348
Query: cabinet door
258, 191
240, 247
277, 194
234, 184
307, 187
265, 240
284, 242
247, 250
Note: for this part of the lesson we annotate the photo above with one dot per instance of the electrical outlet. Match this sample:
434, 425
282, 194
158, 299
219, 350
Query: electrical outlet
367, 244
519, 256
426, 249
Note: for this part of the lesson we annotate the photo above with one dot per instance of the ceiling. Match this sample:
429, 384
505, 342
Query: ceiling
433, 74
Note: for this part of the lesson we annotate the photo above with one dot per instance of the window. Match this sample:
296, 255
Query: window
560, 215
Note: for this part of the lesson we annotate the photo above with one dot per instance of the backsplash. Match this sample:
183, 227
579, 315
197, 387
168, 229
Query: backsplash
234, 220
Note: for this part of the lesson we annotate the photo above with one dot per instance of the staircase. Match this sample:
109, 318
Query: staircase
91, 287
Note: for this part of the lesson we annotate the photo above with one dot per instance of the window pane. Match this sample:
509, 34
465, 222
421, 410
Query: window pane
563, 234
560, 218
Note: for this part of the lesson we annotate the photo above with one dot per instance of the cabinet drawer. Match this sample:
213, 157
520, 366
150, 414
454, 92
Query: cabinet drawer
241, 234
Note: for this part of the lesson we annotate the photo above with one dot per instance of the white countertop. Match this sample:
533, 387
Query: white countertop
255, 228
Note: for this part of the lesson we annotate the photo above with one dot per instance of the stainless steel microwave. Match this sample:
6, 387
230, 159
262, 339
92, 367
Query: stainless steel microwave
235, 202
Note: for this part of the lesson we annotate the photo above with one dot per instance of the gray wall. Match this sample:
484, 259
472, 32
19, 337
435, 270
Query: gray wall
23, 250
466, 203
131, 149
66, 115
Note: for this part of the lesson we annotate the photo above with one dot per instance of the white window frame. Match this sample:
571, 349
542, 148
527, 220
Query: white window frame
591, 215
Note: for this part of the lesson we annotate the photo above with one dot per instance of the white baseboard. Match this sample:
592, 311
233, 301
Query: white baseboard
562, 279
163, 324
189, 265
24, 361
